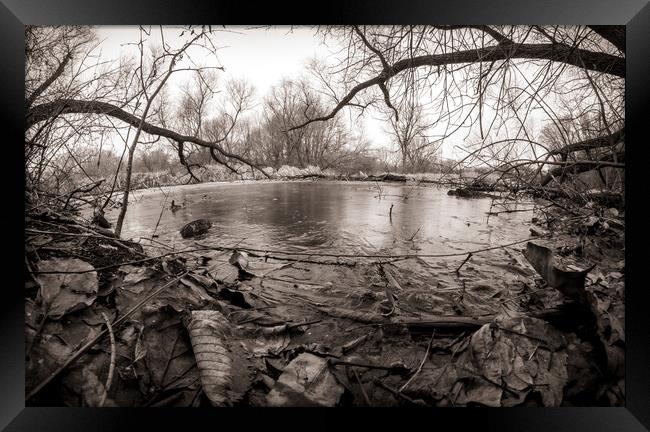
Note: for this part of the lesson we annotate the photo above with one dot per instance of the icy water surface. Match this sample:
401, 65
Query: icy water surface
337, 217
348, 220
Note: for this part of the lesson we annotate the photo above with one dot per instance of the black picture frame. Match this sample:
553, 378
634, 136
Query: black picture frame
14, 14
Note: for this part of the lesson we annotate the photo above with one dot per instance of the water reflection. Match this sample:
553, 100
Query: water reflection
335, 216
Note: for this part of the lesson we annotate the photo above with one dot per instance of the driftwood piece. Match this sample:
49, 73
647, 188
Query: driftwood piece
467, 193
451, 323
568, 282
386, 177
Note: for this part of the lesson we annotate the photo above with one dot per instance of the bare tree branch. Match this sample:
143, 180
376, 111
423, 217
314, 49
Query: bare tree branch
604, 141
615, 34
597, 61
42, 112
48, 82
583, 166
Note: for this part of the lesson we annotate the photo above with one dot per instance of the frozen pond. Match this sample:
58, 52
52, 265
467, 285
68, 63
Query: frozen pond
337, 217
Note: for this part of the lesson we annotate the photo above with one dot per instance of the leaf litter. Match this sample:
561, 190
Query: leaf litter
287, 335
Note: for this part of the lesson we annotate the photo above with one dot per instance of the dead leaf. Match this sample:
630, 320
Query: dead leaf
221, 367
166, 351
509, 359
306, 381
239, 260
66, 292
180, 296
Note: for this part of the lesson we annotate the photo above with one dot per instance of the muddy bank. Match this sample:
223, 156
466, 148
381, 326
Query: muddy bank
108, 323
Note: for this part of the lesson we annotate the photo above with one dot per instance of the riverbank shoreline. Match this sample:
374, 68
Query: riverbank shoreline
144, 181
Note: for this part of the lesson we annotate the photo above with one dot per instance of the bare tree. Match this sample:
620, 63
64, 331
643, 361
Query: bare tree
72, 99
409, 132
318, 144
81, 92
486, 81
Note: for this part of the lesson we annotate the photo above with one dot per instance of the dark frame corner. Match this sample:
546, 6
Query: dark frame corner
15, 13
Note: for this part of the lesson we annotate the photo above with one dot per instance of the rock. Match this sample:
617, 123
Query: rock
197, 227
306, 381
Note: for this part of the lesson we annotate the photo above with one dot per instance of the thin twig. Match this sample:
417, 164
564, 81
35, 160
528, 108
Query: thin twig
333, 255
398, 394
519, 210
368, 366
480, 375
469, 255
252, 252
162, 209
363, 391
97, 269
111, 367
424, 359
94, 234
415, 233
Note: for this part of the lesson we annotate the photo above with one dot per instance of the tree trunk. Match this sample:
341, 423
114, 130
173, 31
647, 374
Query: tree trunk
127, 190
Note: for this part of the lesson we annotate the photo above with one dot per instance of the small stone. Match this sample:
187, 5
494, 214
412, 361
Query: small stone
197, 227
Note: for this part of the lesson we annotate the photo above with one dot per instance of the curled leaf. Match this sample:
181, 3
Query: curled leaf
222, 377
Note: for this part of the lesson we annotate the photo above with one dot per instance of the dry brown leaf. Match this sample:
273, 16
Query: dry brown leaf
209, 332
306, 381
66, 292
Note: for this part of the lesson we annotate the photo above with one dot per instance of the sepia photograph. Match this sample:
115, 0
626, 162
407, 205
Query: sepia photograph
327, 216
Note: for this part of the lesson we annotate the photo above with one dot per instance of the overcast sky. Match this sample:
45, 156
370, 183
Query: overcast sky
261, 56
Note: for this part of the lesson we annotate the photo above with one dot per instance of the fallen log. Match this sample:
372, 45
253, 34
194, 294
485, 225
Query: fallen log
306, 176
561, 317
469, 192
387, 177
581, 166
572, 284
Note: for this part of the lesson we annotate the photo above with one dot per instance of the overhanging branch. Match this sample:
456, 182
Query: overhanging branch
596, 61
593, 143
615, 34
48, 82
40, 113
